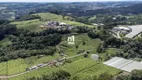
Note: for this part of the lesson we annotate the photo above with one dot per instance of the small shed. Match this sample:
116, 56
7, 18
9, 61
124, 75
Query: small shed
95, 57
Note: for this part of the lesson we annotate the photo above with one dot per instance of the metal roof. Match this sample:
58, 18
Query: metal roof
124, 64
136, 29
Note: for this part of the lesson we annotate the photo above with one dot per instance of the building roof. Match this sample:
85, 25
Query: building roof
136, 29
124, 64
122, 28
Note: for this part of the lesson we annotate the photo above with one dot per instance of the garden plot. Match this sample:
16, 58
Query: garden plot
124, 64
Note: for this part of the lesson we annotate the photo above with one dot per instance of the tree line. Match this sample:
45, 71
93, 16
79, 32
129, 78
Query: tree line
134, 75
26, 43
6, 29
64, 75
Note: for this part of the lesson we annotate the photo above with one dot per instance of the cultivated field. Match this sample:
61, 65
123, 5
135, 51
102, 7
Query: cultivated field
78, 68
20, 65
32, 25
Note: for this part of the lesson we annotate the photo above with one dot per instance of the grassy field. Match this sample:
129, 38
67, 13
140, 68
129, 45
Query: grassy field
3, 68
78, 68
50, 17
66, 19
5, 42
20, 65
92, 18
34, 25
109, 52
69, 50
90, 44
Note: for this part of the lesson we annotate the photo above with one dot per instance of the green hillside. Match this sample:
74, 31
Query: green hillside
77, 68
34, 25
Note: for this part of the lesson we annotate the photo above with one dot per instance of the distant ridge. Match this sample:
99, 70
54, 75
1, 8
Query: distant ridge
62, 1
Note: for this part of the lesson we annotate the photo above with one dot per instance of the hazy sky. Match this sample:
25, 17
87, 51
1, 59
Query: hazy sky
60, 0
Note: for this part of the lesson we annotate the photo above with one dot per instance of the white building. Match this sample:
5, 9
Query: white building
124, 64
136, 30
122, 29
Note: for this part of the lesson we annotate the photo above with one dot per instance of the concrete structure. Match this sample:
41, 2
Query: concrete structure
94, 24
62, 24
97, 24
122, 29
124, 64
95, 57
136, 29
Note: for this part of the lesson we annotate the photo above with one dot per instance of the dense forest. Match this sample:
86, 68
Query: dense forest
26, 43
16, 10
